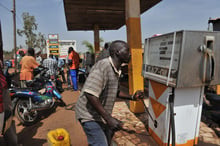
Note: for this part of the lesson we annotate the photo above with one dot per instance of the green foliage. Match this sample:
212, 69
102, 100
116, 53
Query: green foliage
90, 45
33, 39
8, 54
41, 41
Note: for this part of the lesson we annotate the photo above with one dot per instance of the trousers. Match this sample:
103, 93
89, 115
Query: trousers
98, 133
74, 76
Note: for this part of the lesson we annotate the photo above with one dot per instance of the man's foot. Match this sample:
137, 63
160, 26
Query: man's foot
74, 89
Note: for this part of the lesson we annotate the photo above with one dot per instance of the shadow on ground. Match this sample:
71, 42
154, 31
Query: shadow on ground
25, 137
201, 143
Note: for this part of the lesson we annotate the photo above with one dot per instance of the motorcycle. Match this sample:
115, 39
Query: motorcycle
40, 94
57, 81
211, 108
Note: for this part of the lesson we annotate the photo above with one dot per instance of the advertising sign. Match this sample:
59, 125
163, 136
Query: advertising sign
53, 44
53, 41
53, 36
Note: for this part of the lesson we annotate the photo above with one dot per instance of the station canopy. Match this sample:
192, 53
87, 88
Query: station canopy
107, 14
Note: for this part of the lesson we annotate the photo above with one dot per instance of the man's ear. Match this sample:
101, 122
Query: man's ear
117, 52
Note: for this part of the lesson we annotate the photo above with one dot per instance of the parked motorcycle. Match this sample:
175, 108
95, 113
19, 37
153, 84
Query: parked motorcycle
211, 109
57, 81
39, 95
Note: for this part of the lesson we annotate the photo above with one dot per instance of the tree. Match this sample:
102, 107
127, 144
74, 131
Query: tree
33, 39
8, 54
90, 46
41, 41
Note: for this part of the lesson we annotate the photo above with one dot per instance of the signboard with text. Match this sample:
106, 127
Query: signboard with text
53, 44
53, 36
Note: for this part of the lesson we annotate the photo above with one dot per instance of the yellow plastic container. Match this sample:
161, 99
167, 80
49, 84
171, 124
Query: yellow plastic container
58, 137
136, 106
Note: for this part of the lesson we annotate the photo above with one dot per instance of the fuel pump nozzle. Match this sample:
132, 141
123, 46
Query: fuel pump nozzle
146, 109
208, 61
172, 121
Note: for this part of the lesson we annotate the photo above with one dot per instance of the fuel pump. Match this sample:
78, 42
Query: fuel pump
178, 66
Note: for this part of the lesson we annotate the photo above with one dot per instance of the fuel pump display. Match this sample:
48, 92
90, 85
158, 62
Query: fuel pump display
183, 58
158, 63
178, 65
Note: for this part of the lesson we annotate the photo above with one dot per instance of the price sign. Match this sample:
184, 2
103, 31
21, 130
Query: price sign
53, 36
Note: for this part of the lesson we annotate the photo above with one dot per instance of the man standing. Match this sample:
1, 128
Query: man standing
28, 63
68, 68
7, 124
60, 65
51, 64
95, 103
104, 53
22, 54
74, 67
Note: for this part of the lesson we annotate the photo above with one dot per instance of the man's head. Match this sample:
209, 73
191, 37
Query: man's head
21, 53
120, 50
107, 45
31, 52
51, 56
70, 50
57, 58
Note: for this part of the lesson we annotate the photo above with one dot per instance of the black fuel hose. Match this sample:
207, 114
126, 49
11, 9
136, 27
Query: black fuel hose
172, 121
146, 109
70, 106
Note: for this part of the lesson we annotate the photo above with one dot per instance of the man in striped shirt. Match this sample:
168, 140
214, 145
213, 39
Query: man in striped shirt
95, 103
51, 64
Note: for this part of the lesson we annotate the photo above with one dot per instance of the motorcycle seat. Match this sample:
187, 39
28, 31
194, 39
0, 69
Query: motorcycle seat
29, 83
213, 97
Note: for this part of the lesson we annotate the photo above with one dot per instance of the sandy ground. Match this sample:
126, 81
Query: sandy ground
36, 135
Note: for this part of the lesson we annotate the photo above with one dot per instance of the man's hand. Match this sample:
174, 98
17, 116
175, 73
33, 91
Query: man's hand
138, 95
114, 124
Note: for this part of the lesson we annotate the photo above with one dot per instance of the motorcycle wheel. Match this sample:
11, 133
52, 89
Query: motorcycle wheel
24, 115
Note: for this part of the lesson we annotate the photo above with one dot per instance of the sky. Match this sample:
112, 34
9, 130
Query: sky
165, 17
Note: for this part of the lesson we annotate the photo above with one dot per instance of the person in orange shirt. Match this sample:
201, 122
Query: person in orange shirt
28, 64
74, 67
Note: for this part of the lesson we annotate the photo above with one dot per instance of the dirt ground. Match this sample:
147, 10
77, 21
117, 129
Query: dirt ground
36, 135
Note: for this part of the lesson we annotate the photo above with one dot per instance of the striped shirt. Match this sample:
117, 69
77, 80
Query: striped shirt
102, 82
51, 64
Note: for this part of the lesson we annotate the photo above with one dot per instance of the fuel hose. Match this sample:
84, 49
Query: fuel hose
70, 106
146, 109
172, 121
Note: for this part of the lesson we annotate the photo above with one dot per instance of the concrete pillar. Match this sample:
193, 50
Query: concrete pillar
96, 38
134, 41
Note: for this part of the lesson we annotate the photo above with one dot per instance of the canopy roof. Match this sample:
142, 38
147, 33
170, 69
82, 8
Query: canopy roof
107, 14
214, 20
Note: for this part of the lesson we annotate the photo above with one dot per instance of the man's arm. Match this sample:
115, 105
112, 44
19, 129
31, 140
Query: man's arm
112, 122
137, 95
124, 95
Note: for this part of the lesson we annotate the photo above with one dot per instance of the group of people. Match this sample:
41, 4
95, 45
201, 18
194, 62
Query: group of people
96, 100
54, 65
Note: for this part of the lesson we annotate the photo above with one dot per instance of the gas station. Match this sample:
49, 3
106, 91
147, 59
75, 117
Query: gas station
178, 65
